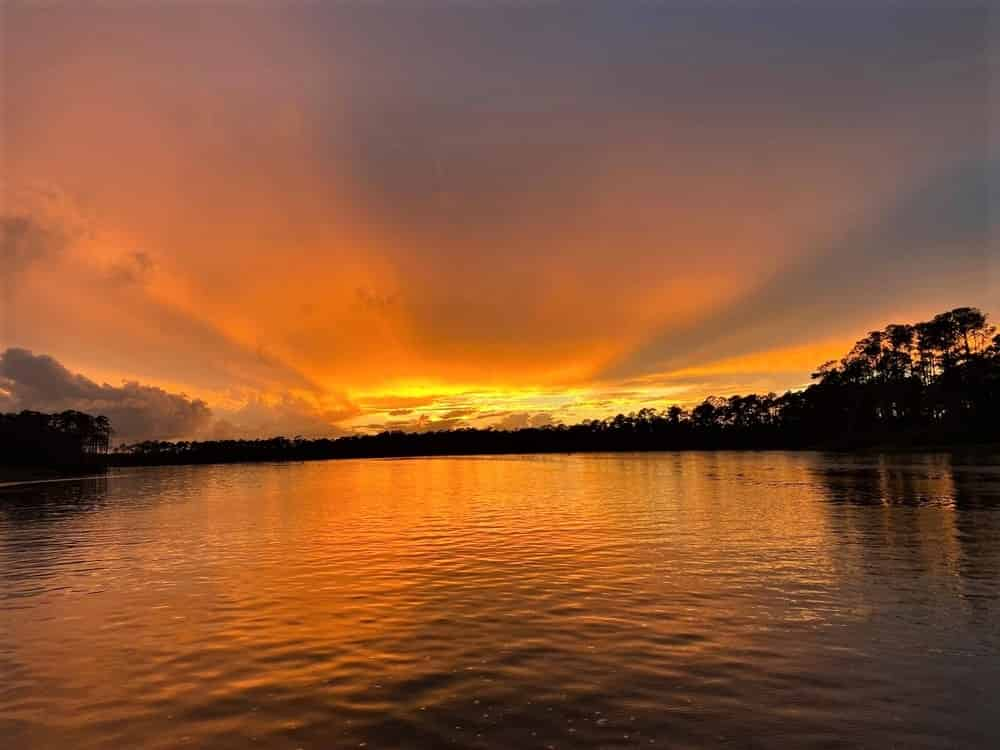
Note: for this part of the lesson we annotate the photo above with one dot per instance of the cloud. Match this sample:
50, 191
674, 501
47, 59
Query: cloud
111, 308
391, 403
423, 423
24, 241
934, 246
470, 198
132, 268
137, 411
375, 300
517, 420
286, 414
456, 413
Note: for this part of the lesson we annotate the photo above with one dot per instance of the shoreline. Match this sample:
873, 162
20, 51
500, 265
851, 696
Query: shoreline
888, 449
20, 475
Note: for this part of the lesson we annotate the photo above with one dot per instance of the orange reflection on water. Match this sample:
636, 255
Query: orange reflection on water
498, 601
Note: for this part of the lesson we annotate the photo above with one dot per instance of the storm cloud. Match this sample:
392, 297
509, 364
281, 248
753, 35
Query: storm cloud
137, 412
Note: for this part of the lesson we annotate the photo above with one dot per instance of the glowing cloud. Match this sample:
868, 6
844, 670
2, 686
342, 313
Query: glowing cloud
323, 217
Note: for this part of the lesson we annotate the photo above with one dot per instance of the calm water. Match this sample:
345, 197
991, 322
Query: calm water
670, 600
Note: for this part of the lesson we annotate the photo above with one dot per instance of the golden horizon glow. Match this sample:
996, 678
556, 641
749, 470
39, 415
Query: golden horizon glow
286, 216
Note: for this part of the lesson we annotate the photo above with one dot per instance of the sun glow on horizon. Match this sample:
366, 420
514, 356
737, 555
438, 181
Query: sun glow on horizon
286, 217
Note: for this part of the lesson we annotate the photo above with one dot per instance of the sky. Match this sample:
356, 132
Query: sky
241, 218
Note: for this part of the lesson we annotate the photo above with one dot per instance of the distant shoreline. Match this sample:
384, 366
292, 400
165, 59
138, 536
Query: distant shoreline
11, 476
21, 475
882, 449
928, 386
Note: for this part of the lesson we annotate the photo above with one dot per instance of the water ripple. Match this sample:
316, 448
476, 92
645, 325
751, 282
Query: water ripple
604, 601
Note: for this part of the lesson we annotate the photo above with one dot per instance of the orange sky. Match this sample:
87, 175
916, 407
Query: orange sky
318, 219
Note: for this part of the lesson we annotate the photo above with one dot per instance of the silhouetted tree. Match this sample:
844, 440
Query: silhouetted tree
933, 382
66, 439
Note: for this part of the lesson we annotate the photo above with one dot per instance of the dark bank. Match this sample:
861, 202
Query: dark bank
931, 384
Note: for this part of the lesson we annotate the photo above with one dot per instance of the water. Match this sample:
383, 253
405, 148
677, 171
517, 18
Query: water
601, 601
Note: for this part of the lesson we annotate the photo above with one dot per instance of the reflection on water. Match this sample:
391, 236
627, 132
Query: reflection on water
606, 601
920, 479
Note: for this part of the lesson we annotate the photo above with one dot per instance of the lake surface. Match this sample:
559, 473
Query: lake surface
587, 601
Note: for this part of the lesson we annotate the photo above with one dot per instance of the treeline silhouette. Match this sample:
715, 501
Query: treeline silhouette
67, 440
934, 383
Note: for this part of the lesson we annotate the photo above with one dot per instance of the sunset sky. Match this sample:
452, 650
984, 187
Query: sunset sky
323, 217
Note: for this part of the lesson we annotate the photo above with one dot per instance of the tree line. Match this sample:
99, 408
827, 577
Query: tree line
933, 383
930, 383
68, 439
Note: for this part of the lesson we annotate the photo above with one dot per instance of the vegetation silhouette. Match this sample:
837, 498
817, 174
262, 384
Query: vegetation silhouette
934, 383
68, 440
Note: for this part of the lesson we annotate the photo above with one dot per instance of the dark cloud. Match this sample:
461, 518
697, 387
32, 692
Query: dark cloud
50, 232
423, 423
936, 243
496, 110
133, 268
137, 412
456, 413
23, 242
